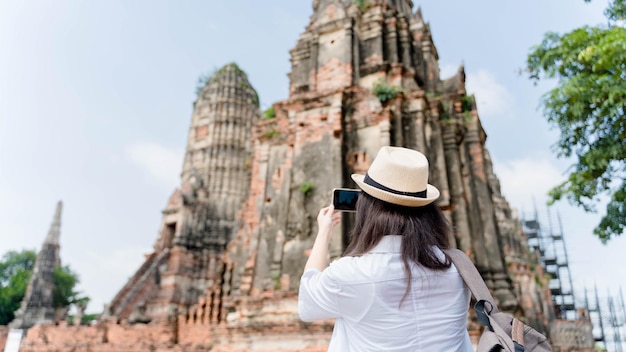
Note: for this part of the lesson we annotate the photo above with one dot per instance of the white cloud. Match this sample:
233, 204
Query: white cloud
160, 164
527, 180
493, 98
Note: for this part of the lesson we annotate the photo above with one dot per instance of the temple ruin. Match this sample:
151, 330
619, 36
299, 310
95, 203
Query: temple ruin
38, 303
234, 238
200, 219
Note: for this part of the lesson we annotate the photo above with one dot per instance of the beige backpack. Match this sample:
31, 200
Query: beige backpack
502, 331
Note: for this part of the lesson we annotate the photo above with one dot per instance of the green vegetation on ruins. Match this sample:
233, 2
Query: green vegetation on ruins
446, 111
306, 187
467, 104
273, 133
362, 4
384, 91
269, 113
205, 79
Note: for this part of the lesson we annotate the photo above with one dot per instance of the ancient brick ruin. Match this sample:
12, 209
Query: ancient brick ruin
38, 304
234, 238
201, 218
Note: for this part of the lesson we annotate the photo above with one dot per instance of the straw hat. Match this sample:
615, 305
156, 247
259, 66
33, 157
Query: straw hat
398, 176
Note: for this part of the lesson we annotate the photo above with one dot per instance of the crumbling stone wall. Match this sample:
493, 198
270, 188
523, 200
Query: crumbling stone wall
104, 337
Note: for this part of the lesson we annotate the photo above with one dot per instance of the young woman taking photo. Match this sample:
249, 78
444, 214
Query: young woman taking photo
394, 289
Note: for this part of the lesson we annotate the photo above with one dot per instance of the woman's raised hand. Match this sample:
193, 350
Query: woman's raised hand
327, 219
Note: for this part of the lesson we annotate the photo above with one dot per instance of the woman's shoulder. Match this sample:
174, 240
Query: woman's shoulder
346, 270
365, 269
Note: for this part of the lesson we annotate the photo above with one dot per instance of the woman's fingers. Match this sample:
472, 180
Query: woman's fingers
328, 217
336, 217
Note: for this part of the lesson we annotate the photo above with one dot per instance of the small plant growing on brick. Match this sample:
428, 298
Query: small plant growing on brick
271, 134
202, 81
467, 103
270, 113
276, 280
444, 114
538, 281
307, 187
362, 4
384, 91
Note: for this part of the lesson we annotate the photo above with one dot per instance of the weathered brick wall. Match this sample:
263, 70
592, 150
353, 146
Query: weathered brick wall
261, 336
276, 341
268, 322
262, 325
105, 337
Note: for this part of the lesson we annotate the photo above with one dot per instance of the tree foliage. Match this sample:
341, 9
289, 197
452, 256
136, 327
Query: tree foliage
15, 272
64, 294
588, 106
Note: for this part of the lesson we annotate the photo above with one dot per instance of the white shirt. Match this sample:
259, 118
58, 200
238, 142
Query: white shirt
365, 294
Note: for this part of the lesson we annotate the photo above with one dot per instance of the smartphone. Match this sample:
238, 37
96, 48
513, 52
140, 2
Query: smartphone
344, 199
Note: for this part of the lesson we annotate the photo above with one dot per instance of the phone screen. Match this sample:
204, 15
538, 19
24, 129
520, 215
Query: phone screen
344, 199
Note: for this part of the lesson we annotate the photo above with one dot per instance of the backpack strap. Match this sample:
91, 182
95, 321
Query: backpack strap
485, 304
517, 334
473, 280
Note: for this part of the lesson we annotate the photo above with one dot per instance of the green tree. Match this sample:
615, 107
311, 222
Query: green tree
15, 273
15, 270
63, 294
588, 106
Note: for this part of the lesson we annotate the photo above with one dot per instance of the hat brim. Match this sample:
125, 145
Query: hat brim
432, 193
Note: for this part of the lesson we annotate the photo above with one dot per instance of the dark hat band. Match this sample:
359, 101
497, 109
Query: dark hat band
368, 180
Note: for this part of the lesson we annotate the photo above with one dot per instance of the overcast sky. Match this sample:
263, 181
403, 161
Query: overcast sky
96, 100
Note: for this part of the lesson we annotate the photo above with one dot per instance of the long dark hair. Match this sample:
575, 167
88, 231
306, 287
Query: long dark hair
421, 228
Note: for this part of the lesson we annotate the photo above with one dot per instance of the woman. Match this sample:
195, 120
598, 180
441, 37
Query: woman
394, 290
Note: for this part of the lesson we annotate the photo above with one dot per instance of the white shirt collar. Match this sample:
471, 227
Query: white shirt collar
388, 244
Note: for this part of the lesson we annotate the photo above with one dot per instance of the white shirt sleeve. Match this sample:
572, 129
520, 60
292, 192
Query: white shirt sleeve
318, 296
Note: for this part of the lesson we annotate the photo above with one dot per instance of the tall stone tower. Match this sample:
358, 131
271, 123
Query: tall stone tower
37, 305
364, 76
200, 218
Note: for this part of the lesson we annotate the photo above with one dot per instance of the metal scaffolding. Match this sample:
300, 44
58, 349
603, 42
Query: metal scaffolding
607, 314
608, 319
550, 244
